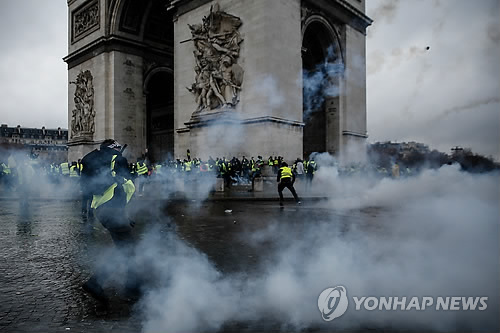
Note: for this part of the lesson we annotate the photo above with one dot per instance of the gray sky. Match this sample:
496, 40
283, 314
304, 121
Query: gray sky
446, 96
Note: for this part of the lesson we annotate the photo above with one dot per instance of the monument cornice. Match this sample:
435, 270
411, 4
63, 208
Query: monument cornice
184, 6
217, 118
113, 43
368, 21
356, 134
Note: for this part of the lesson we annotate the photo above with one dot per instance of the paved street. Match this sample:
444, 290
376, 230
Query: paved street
47, 251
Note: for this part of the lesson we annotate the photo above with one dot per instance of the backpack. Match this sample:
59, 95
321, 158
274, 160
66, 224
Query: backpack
96, 171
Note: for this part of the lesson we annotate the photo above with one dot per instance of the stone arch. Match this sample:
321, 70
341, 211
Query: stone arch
146, 21
145, 31
323, 70
127, 16
333, 35
152, 72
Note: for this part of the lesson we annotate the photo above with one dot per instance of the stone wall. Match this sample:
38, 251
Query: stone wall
271, 85
119, 103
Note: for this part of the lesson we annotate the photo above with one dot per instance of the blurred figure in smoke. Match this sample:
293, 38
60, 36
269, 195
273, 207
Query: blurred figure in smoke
395, 170
256, 170
286, 178
141, 170
311, 170
299, 167
25, 174
112, 190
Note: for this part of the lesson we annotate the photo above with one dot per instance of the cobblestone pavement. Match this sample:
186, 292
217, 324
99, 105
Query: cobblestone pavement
46, 251
44, 261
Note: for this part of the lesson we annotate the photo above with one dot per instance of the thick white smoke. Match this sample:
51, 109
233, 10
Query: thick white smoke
432, 235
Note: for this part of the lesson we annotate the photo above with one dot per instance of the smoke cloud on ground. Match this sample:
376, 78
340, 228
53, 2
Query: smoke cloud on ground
435, 234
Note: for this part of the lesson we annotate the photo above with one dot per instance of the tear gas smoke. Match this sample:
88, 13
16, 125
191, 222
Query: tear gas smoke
432, 235
322, 82
270, 92
30, 178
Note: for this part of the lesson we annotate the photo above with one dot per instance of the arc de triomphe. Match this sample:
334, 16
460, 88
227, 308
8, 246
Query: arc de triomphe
221, 78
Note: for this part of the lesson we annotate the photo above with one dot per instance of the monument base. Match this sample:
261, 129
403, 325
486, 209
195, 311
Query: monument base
81, 145
224, 133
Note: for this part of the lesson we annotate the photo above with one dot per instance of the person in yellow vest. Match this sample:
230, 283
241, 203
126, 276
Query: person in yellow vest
65, 169
5, 174
109, 175
270, 162
187, 166
74, 170
275, 165
141, 170
79, 166
285, 179
256, 170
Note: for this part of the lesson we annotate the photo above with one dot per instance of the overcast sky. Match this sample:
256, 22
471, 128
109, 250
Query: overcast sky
445, 96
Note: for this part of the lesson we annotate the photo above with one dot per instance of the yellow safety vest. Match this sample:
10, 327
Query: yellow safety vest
141, 169
65, 168
313, 164
128, 188
6, 169
286, 172
72, 171
158, 169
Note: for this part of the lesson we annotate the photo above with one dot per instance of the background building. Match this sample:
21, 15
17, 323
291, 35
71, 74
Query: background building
48, 144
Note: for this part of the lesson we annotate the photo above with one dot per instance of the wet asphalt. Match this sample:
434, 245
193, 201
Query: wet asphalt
47, 251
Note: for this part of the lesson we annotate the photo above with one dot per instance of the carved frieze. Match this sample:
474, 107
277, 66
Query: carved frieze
85, 20
83, 115
218, 76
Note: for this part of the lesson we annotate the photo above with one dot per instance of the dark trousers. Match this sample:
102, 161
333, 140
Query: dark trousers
287, 183
227, 179
116, 222
86, 203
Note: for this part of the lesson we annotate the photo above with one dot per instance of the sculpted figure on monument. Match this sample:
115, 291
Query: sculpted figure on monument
83, 115
85, 19
218, 77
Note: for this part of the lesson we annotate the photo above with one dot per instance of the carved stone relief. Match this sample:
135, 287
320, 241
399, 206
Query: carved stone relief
218, 77
83, 115
85, 20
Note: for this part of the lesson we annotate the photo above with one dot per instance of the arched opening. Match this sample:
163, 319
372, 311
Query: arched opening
160, 116
149, 26
322, 68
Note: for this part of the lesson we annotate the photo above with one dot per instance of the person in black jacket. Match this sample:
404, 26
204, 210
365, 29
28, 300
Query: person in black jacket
106, 179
